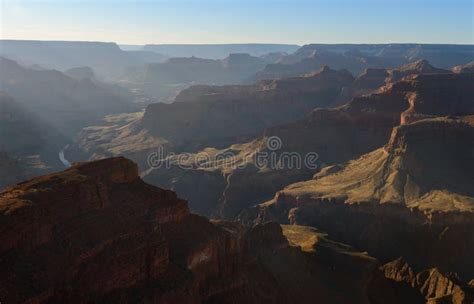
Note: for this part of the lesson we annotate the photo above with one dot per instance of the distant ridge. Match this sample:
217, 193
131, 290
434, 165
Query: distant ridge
219, 51
106, 58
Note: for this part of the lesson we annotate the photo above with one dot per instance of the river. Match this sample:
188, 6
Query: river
63, 159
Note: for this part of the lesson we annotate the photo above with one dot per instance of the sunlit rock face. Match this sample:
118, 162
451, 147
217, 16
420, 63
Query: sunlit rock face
412, 198
467, 68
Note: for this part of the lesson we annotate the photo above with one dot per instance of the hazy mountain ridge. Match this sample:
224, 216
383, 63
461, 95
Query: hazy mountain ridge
442, 55
28, 145
356, 58
218, 51
165, 80
107, 58
64, 102
144, 69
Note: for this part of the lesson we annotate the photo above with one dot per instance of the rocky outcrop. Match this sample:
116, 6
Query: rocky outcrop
433, 285
300, 259
77, 228
370, 79
367, 82
467, 68
439, 94
374, 79
419, 67
394, 201
97, 233
303, 257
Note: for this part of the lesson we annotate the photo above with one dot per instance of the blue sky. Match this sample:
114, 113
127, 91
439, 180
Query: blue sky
227, 21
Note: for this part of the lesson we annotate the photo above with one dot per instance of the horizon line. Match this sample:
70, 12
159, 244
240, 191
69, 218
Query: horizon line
245, 43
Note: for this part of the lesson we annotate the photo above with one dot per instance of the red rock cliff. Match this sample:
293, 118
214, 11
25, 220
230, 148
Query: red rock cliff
97, 232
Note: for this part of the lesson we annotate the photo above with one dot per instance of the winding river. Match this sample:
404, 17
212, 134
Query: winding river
63, 159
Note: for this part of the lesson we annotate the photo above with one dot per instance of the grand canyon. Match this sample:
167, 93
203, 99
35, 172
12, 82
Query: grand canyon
178, 173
